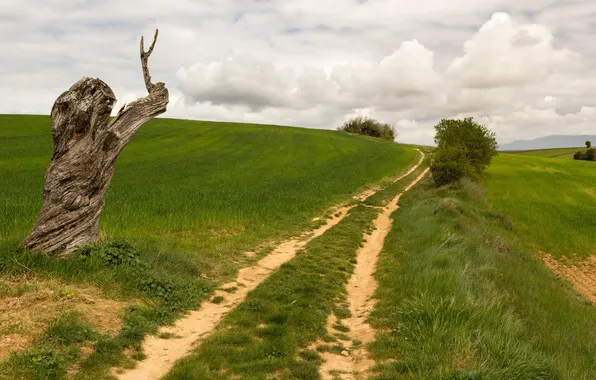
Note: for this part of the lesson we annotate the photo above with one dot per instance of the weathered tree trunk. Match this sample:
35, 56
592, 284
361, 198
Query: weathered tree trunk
86, 145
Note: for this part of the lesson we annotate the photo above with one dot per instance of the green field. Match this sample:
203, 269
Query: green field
551, 203
207, 188
462, 292
462, 296
191, 198
566, 153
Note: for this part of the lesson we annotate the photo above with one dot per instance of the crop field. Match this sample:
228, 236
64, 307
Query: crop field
551, 203
461, 296
566, 153
259, 252
187, 201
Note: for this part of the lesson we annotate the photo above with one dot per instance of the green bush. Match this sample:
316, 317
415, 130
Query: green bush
450, 164
369, 127
113, 253
465, 149
478, 142
588, 155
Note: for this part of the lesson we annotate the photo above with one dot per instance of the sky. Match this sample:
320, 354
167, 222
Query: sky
524, 69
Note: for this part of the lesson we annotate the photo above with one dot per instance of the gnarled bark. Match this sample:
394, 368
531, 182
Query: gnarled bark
86, 146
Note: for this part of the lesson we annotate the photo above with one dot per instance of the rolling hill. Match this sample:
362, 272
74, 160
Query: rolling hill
190, 203
548, 142
242, 251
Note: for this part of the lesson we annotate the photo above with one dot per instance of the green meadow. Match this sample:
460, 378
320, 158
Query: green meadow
211, 190
462, 292
187, 200
462, 296
550, 202
551, 153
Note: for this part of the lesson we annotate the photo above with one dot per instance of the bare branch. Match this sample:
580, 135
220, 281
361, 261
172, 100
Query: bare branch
154, 41
144, 61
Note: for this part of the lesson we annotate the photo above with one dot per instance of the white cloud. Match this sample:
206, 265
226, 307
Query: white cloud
505, 54
526, 73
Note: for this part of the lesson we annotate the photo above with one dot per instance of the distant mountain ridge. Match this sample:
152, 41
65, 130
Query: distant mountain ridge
547, 142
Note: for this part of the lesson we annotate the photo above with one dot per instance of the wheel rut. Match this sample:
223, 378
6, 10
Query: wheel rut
361, 287
194, 327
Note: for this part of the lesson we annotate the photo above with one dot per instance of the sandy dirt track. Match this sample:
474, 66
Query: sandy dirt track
161, 354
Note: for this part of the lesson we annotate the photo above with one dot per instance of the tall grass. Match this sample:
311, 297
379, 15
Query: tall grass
460, 297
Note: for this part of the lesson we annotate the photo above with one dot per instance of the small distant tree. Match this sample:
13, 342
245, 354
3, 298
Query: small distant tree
369, 127
465, 149
588, 144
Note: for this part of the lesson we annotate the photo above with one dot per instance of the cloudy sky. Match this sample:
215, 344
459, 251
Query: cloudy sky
523, 68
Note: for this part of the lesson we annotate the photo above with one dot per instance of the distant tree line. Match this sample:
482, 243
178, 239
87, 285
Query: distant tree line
369, 127
465, 149
588, 155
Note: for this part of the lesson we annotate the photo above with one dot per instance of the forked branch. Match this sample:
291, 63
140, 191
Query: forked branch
144, 60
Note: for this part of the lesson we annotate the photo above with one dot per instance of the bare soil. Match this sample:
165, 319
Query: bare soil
195, 326
580, 273
360, 289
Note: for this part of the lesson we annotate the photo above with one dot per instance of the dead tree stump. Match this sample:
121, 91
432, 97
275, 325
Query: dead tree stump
86, 146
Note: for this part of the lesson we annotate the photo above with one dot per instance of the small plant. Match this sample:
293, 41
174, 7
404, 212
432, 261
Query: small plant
113, 253
217, 300
167, 335
37, 363
340, 327
68, 329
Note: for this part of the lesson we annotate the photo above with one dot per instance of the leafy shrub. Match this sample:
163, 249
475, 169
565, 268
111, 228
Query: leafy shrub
113, 253
478, 142
450, 164
369, 127
465, 149
588, 155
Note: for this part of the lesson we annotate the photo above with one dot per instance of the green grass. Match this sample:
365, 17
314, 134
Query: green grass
187, 199
277, 321
272, 329
460, 296
551, 203
54, 352
566, 153
208, 189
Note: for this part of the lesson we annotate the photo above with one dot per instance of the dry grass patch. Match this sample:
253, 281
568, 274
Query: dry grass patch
27, 304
